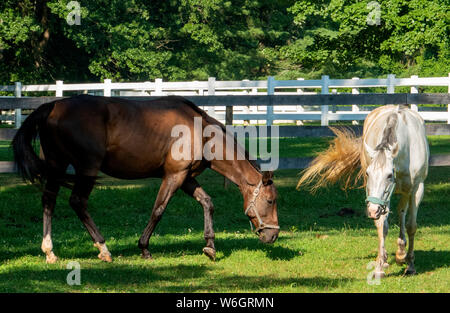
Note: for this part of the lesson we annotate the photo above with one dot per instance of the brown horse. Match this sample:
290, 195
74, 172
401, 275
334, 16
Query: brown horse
131, 140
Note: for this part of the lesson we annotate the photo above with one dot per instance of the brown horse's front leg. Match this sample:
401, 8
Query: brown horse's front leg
78, 201
193, 188
169, 186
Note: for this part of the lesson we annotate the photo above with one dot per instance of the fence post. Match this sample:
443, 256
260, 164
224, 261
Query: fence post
355, 107
59, 88
299, 107
228, 121
158, 87
246, 108
228, 118
270, 92
414, 89
18, 112
448, 105
212, 92
253, 92
334, 106
324, 108
107, 88
390, 83
229, 115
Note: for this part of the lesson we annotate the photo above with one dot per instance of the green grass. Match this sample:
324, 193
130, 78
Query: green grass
317, 250
290, 147
5, 151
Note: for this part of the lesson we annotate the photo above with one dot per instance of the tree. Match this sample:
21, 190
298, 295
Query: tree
139, 40
334, 37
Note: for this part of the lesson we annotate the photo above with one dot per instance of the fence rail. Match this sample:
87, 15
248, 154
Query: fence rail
258, 101
293, 131
269, 102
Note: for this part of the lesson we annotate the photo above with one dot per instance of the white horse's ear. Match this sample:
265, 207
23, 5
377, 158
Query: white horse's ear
369, 150
394, 149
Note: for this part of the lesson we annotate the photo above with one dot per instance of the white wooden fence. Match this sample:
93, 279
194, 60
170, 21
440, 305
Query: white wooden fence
271, 86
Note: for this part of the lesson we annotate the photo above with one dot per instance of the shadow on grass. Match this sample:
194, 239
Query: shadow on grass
224, 247
154, 279
426, 261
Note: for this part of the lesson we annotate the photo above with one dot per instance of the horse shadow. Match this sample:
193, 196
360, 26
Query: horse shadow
224, 248
71, 248
426, 261
164, 278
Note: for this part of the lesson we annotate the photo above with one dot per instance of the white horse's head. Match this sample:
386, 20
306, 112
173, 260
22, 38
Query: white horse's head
380, 179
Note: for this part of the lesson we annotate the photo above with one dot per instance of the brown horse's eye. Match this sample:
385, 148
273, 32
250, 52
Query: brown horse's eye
270, 201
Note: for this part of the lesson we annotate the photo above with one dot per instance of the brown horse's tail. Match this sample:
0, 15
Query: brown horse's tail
338, 163
27, 162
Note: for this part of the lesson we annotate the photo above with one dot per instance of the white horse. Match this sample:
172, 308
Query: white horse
393, 157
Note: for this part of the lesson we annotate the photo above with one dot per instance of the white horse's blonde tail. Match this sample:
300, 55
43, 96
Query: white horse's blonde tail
338, 163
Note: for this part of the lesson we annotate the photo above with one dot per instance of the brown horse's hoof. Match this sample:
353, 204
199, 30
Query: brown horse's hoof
105, 257
51, 258
146, 255
210, 253
104, 254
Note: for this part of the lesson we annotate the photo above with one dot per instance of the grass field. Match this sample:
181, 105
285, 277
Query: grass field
317, 250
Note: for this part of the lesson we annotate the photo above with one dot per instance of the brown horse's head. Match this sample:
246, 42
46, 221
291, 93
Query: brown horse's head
260, 206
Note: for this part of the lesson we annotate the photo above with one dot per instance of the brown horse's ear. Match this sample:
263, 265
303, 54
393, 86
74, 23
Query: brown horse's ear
267, 178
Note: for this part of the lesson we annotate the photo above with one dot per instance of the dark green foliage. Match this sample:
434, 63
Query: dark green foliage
138, 40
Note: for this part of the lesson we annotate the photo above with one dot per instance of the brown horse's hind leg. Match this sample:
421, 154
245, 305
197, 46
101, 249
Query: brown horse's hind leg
193, 188
169, 186
78, 201
48, 203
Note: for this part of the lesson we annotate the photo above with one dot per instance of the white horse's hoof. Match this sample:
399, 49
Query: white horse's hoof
377, 275
400, 257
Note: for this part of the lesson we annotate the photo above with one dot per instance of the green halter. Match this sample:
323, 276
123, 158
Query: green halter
383, 202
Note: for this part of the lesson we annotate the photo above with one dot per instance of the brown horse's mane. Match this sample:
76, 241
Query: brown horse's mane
213, 121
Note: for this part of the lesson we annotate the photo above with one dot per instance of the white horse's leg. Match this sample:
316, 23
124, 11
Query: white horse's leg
382, 230
411, 226
400, 255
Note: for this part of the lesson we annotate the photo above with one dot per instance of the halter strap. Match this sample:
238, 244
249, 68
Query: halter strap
384, 202
251, 205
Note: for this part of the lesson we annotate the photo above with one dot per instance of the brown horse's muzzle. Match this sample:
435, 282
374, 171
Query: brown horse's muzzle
268, 235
